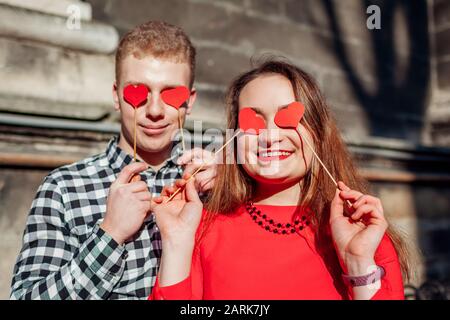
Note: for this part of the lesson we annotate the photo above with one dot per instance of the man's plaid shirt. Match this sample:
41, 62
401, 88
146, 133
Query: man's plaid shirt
65, 255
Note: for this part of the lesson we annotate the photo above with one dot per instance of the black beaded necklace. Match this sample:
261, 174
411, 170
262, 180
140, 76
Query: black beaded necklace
270, 225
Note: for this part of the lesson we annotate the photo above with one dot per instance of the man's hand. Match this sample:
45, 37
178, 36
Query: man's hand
128, 204
192, 160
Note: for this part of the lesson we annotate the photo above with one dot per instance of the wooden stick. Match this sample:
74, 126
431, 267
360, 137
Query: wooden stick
134, 142
202, 166
136, 177
349, 204
181, 129
317, 157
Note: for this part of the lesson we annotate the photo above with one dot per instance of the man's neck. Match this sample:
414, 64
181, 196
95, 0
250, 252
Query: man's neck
155, 160
278, 194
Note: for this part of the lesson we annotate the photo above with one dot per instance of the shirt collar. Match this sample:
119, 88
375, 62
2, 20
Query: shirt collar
118, 158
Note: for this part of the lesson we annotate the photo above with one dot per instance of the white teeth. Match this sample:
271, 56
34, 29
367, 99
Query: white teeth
274, 154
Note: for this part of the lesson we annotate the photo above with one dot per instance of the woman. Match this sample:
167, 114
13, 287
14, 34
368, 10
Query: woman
275, 226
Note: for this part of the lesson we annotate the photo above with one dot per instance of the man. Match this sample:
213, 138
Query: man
89, 234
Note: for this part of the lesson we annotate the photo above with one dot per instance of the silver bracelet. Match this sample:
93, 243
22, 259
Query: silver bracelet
358, 281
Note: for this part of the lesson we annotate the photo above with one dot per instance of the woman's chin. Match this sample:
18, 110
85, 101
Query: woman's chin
275, 179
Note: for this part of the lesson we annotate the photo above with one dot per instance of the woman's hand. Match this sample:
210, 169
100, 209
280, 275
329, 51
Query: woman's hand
179, 218
356, 237
178, 221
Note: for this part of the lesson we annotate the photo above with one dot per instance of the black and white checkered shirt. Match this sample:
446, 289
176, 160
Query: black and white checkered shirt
65, 255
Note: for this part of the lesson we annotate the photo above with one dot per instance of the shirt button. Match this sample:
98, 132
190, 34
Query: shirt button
125, 255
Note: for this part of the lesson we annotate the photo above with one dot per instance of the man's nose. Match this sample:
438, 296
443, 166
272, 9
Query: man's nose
155, 107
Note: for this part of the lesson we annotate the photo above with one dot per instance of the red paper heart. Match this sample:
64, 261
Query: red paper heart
136, 95
176, 97
290, 116
250, 122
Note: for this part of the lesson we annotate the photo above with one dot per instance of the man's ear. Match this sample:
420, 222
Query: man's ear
191, 101
116, 99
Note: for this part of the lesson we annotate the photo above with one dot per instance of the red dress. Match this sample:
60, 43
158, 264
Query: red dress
238, 259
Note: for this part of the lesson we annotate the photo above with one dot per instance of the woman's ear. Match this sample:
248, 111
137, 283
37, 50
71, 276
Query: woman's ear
191, 101
116, 97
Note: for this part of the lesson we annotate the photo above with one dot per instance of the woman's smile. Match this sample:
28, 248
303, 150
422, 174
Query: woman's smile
273, 155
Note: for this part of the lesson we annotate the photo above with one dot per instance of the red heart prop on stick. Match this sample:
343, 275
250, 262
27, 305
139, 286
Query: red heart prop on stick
136, 95
290, 117
176, 97
250, 122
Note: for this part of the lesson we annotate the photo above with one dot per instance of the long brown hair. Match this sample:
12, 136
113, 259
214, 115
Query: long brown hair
233, 187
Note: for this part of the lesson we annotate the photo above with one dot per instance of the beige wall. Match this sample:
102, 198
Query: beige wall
388, 89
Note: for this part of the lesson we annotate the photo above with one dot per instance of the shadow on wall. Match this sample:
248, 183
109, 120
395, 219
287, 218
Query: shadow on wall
396, 108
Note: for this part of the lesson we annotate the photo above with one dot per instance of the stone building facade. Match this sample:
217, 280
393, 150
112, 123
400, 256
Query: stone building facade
389, 89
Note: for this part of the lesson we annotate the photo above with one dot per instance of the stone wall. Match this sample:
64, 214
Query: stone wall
388, 89
55, 103
440, 110
367, 75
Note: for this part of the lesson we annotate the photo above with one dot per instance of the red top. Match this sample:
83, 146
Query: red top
238, 259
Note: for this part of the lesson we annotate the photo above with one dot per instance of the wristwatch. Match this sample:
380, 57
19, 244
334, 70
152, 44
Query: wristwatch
358, 281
